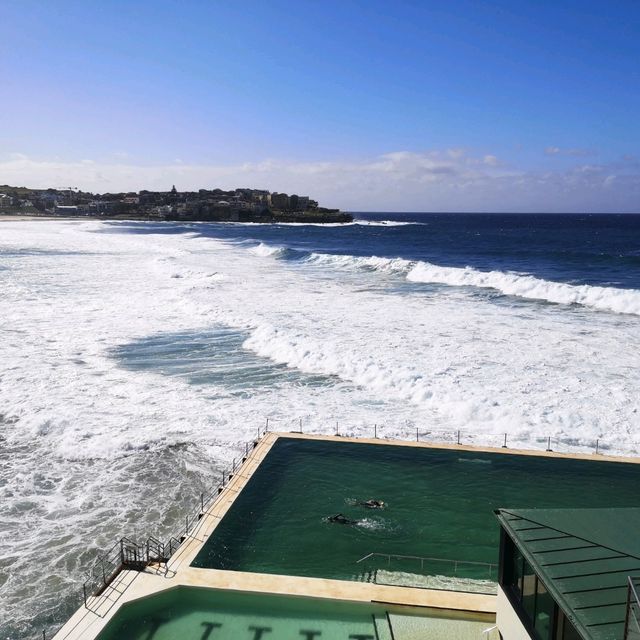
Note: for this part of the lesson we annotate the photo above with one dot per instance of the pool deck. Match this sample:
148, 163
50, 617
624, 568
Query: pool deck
89, 621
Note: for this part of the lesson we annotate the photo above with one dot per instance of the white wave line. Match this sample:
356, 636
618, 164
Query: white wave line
519, 285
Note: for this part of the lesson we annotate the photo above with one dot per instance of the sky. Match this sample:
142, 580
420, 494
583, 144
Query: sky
365, 105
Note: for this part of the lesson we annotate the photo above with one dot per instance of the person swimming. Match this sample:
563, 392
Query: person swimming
373, 504
340, 519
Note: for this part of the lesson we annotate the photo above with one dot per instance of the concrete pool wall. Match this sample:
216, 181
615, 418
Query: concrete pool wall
129, 586
436, 520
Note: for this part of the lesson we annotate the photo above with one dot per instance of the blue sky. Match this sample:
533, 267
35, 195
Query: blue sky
398, 105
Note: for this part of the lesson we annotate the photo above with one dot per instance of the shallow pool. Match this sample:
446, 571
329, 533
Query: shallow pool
438, 504
188, 613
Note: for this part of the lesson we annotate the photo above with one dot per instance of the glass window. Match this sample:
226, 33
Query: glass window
545, 606
564, 629
513, 561
529, 580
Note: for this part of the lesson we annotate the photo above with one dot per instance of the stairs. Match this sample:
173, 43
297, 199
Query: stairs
368, 575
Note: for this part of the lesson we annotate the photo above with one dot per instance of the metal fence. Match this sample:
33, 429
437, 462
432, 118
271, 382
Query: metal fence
130, 554
411, 432
127, 553
632, 620
443, 573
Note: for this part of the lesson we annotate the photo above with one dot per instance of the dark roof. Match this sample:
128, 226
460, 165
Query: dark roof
584, 557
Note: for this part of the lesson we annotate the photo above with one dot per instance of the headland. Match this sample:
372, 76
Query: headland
204, 205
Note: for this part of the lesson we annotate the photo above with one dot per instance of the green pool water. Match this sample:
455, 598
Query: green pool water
438, 503
188, 613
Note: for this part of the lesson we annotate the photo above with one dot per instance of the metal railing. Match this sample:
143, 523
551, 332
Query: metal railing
490, 568
468, 575
129, 554
632, 618
408, 432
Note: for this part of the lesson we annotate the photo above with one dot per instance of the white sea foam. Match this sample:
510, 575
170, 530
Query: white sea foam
356, 222
526, 286
512, 284
92, 449
387, 223
266, 250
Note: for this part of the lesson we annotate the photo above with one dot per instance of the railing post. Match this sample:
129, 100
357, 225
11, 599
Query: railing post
300, 425
504, 446
549, 443
202, 502
375, 431
84, 593
626, 615
246, 448
417, 435
186, 527
266, 428
458, 437
337, 430
597, 445
223, 477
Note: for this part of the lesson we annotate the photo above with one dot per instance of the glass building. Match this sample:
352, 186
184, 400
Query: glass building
565, 573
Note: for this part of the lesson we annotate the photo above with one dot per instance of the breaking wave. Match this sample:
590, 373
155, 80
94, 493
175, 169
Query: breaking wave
279, 253
387, 223
530, 287
514, 284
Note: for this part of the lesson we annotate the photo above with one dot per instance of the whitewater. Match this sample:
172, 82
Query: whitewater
135, 361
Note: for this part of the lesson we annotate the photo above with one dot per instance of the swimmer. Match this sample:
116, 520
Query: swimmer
373, 504
340, 519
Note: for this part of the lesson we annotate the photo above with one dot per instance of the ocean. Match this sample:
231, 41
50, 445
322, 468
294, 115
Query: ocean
136, 359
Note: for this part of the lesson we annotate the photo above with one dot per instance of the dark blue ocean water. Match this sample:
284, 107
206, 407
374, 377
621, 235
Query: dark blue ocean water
592, 249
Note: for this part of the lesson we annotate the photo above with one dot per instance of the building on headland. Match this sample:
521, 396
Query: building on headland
280, 201
255, 205
316, 538
66, 210
6, 201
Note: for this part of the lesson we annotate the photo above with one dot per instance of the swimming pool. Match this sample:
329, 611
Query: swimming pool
206, 614
191, 613
438, 504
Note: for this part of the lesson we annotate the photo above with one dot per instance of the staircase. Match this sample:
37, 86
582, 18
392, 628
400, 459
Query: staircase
367, 575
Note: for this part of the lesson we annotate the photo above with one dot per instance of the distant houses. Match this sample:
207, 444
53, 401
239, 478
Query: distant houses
205, 204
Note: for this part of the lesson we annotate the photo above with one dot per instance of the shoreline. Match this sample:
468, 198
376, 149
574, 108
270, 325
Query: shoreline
286, 220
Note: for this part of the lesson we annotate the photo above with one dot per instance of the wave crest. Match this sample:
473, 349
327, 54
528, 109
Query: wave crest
530, 287
519, 285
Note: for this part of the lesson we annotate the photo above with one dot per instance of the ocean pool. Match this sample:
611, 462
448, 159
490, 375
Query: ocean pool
438, 504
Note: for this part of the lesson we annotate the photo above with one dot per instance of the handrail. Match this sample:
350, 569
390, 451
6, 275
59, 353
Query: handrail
535, 442
389, 556
129, 554
208, 497
632, 618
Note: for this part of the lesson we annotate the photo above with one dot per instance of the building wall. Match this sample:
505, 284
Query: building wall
507, 619
280, 200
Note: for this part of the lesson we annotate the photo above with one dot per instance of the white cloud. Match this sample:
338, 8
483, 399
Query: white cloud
437, 180
576, 153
